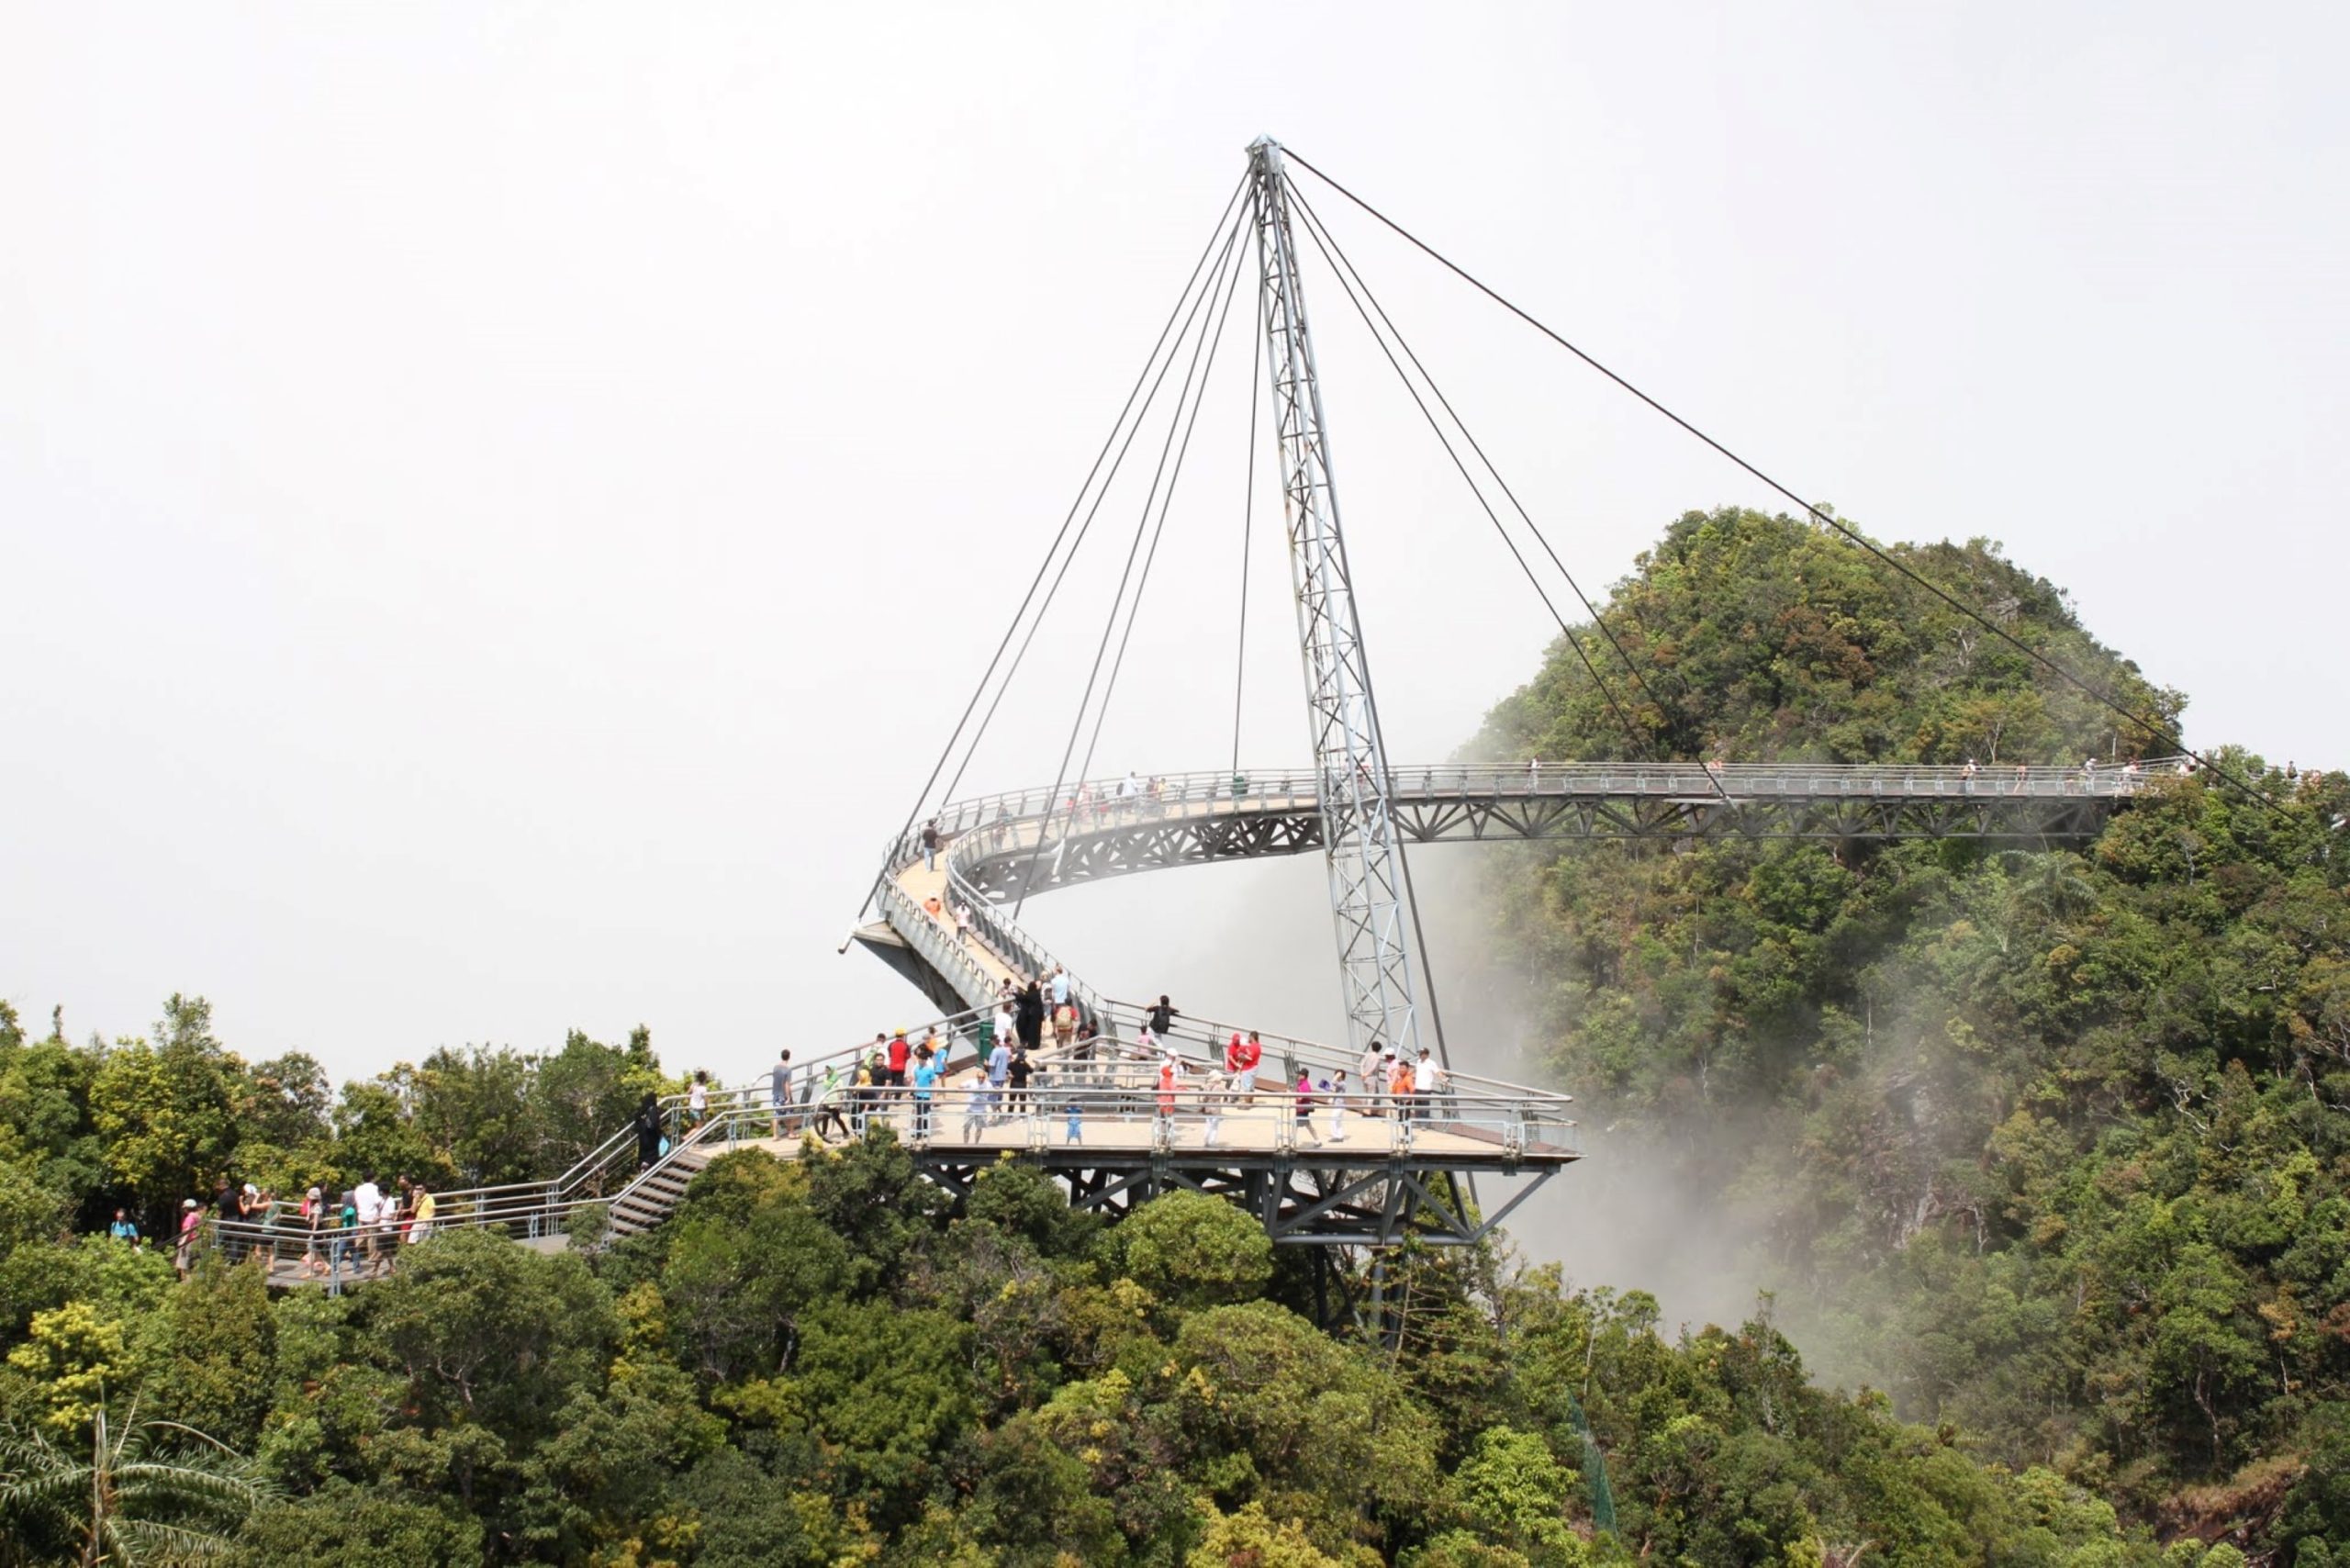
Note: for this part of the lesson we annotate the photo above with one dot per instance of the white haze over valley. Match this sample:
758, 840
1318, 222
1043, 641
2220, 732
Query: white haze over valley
500, 506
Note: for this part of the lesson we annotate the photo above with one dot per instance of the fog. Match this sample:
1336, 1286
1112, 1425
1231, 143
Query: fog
500, 507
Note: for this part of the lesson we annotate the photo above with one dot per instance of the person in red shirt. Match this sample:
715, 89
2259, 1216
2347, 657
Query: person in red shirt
1248, 1053
899, 1052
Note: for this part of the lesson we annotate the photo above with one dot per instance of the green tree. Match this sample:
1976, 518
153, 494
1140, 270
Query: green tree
166, 1113
359, 1527
133, 1499
1197, 1250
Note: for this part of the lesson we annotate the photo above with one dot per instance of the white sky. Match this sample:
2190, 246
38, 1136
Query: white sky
500, 506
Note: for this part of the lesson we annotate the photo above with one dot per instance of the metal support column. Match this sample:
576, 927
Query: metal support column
1358, 815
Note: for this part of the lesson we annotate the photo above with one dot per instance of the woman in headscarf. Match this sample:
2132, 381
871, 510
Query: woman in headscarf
648, 1132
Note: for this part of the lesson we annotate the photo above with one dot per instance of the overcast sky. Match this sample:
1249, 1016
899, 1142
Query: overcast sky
499, 506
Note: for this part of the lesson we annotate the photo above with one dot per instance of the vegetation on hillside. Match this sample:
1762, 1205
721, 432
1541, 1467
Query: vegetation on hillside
2048, 1148
2053, 1145
830, 1362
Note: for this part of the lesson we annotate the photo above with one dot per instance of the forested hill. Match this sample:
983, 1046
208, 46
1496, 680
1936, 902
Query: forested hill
2052, 1145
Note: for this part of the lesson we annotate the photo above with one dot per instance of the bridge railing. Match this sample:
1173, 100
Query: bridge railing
1002, 820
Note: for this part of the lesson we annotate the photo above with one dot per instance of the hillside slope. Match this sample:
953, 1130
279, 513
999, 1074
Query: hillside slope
2054, 1146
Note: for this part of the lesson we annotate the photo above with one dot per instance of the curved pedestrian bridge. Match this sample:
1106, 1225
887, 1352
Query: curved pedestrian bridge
999, 849
1099, 1114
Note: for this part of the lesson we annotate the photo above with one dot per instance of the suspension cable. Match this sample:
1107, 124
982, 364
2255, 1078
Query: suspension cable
1107, 442
1325, 237
1631, 731
1061, 776
2159, 731
1142, 583
1188, 308
1247, 520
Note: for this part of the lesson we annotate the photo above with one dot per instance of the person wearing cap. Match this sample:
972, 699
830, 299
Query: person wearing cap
191, 1220
314, 1225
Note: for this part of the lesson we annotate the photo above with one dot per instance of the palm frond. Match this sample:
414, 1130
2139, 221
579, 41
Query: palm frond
171, 1543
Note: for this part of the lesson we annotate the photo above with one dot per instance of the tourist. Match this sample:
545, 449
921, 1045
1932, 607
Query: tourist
425, 1209
367, 1202
1028, 1014
1427, 1080
779, 1092
346, 1229
1075, 1132
1240, 1060
314, 1228
827, 1102
1399, 1088
122, 1229
864, 1086
384, 1240
1213, 1097
1337, 1091
1017, 1073
226, 1213
648, 1132
900, 1057
962, 923
697, 1098
927, 1073
1064, 1024
930, 844
1165, 1128
1304, 1091
1367, 1072
999, 1073
1161, 1017
184, 1250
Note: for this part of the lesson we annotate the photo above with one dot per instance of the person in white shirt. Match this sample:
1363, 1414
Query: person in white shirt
1337, 1088
368, 1199
1427, 1081
962, 923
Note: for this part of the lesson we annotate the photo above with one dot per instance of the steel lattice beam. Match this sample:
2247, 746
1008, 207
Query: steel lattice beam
1358, 822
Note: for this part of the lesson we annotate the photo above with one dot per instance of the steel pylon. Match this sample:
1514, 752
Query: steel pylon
1359, 835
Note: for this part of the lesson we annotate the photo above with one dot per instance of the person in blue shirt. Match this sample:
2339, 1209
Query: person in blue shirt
999, 1073
926, 1077
122, 1229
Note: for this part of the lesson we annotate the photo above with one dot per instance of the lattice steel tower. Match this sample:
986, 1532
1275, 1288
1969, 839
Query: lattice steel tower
1367, 894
